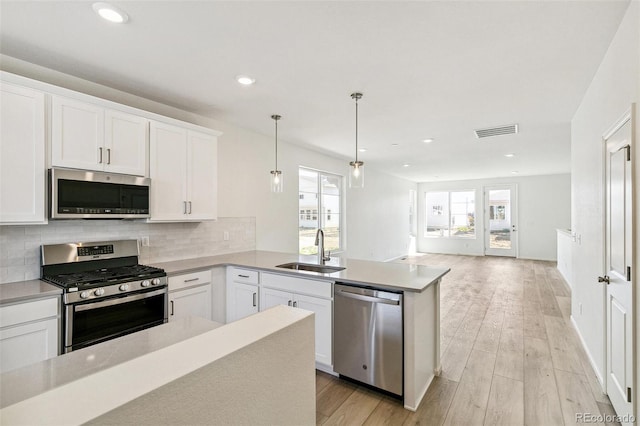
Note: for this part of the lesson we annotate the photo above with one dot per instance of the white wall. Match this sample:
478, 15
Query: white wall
543, 206
614, 87
377, 224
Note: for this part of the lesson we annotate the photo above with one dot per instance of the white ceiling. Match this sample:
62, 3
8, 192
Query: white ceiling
427, 70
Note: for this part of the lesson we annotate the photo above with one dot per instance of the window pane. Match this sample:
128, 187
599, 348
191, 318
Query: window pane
319, 206
307, 204
308, 181
332, 233
330, 185
437, 217
463, 207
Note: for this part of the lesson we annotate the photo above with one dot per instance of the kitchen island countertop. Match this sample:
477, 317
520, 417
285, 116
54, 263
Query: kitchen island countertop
389, 275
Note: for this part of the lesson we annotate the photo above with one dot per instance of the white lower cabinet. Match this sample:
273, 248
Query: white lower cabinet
190, 295
318, 300
29, 333
242, 293
195, 301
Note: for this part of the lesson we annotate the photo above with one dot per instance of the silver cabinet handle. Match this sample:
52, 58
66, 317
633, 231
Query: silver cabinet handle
172, 308
364, 298
184, 207
243, 276
191, 280
100, 151
108, 155
254, 299
189, 207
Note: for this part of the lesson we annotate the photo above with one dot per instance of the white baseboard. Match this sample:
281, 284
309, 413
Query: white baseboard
591, 361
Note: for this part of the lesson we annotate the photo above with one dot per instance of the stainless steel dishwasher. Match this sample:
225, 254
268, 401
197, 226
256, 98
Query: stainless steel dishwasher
368, 337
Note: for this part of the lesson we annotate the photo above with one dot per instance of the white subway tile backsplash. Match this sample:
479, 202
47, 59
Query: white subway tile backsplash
20, 245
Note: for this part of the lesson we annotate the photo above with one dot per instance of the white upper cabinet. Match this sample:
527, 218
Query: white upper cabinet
202, 176
125, 142
183, 171
22, 155
90, 137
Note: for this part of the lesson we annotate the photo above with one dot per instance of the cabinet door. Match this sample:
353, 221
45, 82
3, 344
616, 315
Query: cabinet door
270, 297
242, 301
195, 301
77, 135
125, 143
22, 155
167, 169
202, 175
29, 343
323, 318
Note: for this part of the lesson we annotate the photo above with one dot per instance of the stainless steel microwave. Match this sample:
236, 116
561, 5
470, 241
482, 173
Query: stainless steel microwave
82, 194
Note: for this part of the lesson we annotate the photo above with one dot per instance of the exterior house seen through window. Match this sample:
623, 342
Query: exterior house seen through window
450, 214
320, 206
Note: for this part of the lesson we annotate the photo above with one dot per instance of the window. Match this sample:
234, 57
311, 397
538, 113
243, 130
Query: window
450, 214
320, 198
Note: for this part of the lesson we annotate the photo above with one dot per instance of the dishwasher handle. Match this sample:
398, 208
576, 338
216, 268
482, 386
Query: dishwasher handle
346, 293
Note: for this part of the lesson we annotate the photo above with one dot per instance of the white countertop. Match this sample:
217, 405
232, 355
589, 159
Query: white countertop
390, 275
35, 379
23, 291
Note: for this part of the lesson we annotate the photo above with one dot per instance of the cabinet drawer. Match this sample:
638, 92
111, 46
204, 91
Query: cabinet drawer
29, 311
297, 285
244, 275
178, 282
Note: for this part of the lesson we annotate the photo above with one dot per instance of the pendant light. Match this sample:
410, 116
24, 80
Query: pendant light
276, 175
356, 176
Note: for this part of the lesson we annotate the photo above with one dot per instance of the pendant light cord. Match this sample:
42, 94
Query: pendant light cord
356, 129
276, 144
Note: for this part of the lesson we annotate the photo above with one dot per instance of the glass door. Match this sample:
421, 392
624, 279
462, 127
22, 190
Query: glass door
500, 220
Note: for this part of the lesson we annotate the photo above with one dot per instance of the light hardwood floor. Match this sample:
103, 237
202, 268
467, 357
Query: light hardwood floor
510, 355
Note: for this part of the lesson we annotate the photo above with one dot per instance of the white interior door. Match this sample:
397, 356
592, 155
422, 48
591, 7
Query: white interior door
500, 218
618, 257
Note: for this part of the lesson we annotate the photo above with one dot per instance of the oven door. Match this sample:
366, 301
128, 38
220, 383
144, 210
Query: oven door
95, 322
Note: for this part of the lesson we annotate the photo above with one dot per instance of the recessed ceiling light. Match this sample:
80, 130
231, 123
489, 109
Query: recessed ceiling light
509, 155
514, 172
406, 165
429, 140
362, 149
245, 80
110, 13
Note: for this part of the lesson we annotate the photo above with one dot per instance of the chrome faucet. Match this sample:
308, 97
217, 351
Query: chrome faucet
320, 243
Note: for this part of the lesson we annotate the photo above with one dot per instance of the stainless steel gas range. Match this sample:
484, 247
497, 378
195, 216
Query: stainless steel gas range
107, 293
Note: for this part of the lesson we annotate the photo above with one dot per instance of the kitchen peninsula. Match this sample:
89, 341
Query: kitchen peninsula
419, 286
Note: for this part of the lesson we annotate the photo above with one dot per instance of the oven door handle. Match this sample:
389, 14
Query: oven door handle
119, 300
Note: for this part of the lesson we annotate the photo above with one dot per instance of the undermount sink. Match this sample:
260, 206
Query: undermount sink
324, 269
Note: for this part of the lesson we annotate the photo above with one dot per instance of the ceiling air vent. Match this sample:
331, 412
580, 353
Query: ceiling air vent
496, 131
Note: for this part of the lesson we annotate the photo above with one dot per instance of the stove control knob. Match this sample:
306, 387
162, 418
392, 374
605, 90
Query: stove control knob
155, 281
84, 294
124, 287
145, 283
99, 292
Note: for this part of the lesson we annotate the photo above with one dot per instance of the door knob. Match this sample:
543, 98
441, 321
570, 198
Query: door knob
604, 279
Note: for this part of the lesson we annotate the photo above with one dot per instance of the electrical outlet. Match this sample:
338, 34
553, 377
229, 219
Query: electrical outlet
226, 235
144, 241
